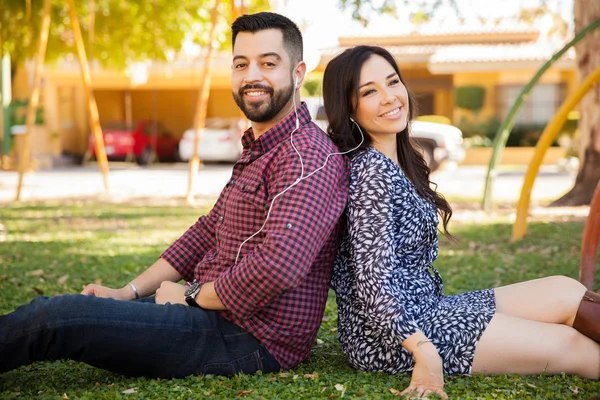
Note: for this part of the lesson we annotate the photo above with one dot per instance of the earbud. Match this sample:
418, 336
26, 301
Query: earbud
296, 83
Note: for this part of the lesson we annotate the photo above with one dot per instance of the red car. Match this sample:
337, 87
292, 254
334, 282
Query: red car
121, 142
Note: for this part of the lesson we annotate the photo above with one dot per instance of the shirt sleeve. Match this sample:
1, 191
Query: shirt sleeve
371, 241
187, 251
300, 222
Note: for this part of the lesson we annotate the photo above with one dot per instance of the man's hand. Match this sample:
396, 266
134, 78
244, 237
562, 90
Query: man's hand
171, 292
92, 289
427, 378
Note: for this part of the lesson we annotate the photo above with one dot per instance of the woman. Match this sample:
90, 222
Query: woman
393, 316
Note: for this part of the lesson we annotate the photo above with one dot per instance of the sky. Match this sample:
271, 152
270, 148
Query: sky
322, 22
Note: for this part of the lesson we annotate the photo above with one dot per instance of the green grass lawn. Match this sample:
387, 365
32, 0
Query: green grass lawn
55, 248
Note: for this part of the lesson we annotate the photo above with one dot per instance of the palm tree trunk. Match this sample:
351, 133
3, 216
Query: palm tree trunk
91, 100
202, 105
25, 149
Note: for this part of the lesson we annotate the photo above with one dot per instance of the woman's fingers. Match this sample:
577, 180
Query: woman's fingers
421, 392
410, 389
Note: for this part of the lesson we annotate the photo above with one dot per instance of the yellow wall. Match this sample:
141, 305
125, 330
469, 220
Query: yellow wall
111, 105
20, 86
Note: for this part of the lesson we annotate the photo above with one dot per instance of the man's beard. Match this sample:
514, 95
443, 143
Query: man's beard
257, 111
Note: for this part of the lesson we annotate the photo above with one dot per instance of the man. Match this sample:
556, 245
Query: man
260, 261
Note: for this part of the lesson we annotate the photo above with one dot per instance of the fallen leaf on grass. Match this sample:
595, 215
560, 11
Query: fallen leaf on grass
273, 379
98, 281
284, 375
574, 389
244, 392
38, 291
62, 280
532, 385
341, 388
395, 392
65, 397
129, 391
319, 342
36, 272
360, 393
312, 376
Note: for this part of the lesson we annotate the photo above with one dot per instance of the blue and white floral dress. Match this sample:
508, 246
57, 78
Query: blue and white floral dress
386, 287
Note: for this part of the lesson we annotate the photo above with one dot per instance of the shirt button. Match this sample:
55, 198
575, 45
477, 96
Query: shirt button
288, 225
220, 218
232, 181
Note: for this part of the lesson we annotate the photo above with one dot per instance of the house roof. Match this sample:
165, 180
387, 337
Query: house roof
447, 48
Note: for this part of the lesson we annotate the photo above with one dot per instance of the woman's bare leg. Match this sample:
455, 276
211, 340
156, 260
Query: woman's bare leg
554, 299
522, 346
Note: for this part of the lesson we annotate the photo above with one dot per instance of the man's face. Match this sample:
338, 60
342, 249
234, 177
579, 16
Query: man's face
262, 81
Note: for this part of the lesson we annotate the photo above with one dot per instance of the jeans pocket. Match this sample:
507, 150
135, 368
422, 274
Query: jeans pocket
247, 364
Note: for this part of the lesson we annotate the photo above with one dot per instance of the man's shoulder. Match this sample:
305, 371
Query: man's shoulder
310, 135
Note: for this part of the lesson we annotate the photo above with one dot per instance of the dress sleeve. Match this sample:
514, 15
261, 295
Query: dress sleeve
371, 235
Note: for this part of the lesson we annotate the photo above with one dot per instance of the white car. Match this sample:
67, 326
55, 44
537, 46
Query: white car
440, 142
219, 141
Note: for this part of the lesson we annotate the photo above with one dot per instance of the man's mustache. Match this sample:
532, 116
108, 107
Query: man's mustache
255, 87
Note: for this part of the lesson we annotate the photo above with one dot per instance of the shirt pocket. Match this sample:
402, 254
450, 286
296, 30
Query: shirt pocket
250, 190
247, 205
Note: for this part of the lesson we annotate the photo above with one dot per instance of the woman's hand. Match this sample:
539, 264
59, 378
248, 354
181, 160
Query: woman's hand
427, 377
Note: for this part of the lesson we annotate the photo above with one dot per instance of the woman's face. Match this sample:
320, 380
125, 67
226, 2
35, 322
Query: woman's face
382, 107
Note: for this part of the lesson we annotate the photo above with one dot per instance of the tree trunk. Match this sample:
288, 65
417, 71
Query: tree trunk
202, 105
91, 100
588, 59
25, 153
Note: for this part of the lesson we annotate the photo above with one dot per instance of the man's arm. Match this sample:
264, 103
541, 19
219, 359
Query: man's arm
176, 263
146, 283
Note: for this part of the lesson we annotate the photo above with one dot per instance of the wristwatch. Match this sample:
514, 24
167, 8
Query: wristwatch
191, 293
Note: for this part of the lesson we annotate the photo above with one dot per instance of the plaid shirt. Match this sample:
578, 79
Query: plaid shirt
278, 289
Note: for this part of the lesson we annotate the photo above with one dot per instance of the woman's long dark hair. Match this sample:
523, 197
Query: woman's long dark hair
340, 94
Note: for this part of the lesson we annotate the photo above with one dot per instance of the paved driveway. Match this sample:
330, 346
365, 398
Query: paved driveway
170, 181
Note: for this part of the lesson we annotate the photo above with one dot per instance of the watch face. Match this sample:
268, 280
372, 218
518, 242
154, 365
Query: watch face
193, 287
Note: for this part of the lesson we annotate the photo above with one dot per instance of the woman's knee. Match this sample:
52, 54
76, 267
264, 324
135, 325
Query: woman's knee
566, 284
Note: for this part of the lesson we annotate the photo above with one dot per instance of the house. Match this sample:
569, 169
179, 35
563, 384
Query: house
499, 56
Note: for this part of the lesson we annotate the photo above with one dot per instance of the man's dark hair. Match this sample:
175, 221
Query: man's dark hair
292, 38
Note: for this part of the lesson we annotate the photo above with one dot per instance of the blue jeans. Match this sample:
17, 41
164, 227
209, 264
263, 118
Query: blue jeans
136, 338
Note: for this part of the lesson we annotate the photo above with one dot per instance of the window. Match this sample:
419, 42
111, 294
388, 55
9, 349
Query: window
537, 109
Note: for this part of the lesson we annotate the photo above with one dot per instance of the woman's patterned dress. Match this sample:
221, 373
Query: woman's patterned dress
386, 287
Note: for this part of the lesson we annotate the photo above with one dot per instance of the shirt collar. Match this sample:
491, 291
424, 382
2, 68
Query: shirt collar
278, 132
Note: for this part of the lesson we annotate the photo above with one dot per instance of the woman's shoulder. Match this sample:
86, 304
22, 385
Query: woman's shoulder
366, 158
369, 168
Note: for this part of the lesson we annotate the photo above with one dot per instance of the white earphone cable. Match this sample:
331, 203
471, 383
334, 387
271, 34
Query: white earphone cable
302, 177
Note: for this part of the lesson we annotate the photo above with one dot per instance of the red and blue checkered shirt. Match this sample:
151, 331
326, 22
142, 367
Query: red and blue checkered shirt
278, 289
